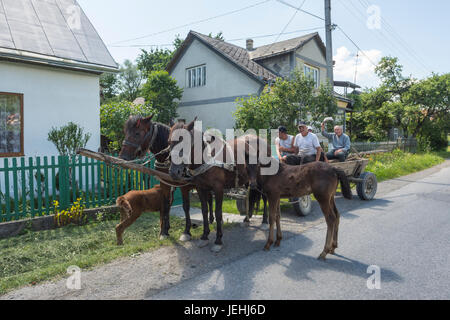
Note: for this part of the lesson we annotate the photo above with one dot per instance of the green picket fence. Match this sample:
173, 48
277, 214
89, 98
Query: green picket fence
28, 188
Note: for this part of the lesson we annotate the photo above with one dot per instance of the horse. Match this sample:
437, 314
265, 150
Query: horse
317, 178
134, 203
217, 177
141, 135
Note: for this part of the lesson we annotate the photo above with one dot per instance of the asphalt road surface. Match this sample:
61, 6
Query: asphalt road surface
393, 247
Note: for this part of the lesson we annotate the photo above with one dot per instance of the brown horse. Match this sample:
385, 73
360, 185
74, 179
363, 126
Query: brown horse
134, 203
317, 178
141, 135
217, 178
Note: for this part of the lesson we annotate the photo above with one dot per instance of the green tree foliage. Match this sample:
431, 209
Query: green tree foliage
161, 92
109, 87
286, 102
68, 138
130, 80
153, 60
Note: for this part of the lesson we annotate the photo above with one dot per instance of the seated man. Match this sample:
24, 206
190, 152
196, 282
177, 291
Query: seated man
307, 147
340, 143
283, 144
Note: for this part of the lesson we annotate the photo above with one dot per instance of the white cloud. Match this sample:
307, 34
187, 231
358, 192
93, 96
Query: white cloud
344, 69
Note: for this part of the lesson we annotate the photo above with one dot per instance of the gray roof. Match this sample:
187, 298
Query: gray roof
285, 46
236, 55
55, 32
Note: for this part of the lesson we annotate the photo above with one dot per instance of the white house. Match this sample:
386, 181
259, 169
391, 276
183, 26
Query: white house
213, 73
51, 59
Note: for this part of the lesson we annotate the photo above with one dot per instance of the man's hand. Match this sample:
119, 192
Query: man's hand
283, 159
323, 126
338, 151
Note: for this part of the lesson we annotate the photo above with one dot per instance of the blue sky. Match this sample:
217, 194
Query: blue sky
415, 31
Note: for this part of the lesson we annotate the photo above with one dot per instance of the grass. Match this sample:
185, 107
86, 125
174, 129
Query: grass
38, 256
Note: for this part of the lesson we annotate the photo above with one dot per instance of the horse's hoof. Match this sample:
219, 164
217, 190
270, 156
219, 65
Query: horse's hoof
203, 243
264, 226
322, 256
245, 224
185, 237
216, 248
163, 237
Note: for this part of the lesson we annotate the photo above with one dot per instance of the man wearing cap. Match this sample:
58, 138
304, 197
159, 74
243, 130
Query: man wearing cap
307, 147
283, 144
340, 143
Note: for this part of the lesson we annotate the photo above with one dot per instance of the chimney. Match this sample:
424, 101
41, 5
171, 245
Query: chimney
250, 45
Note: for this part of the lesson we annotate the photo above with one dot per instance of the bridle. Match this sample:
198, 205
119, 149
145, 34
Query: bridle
152, 133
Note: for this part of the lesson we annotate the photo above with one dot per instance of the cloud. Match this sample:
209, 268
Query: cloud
344, 69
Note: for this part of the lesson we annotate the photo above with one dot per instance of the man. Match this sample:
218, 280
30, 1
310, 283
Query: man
307, 147
340, 143
283, 144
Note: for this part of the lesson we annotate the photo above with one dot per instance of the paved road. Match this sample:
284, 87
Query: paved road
406, 234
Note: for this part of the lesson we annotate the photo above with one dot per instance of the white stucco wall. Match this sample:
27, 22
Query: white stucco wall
223, 82
312, 52
52, 98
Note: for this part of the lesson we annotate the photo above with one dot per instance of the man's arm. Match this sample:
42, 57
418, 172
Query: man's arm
346, 143
318, 154
326, 134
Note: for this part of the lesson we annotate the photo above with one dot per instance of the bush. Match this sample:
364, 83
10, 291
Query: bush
68, 138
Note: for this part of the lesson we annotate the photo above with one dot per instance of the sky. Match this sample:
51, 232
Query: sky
417, 32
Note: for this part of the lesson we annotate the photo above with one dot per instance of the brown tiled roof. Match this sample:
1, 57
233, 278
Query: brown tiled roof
285, 46
237, 55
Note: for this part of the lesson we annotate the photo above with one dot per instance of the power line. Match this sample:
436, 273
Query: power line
192, 23
304, 11
231, 40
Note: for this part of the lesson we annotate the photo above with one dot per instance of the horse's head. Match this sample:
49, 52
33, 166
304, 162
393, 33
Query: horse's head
181, 138
138, 131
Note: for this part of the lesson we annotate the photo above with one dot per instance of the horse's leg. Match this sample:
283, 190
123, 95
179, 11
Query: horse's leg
272, 218
203, 195
211, 208
186, 236
265, 223
219, 200
125, 222
251, 205
336, 226
330, 219
164, 213
279, 235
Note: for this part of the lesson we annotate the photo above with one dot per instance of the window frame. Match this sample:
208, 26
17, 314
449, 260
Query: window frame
196, 76
21, 153
314, 71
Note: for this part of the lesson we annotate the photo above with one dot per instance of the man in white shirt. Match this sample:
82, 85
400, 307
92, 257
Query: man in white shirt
283, 144
307, 147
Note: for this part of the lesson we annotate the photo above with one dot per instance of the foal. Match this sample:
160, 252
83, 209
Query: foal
134, 203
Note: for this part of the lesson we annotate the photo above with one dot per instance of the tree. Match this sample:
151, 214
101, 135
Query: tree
153, 60
109, 86
161, 92
68, 138
285, 103
130, 80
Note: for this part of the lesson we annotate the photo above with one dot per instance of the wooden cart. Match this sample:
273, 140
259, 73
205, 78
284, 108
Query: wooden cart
366, 187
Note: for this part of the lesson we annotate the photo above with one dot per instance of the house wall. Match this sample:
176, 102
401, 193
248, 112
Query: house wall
52, 98
282, 65
214, 102
311, 54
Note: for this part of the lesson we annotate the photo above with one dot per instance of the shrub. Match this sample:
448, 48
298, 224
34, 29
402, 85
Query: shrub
68, 138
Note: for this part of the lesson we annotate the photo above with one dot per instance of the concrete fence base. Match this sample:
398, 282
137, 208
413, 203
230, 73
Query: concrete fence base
14, 228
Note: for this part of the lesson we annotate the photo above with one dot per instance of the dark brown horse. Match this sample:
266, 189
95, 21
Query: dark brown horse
141, 135
317, 178
217, 178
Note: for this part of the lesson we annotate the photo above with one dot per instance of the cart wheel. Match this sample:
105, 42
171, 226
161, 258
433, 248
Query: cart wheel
303, 207
368, 187
241, 205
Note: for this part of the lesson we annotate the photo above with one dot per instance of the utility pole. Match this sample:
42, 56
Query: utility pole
329, 27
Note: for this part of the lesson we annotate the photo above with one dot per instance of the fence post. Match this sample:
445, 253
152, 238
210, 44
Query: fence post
63, 167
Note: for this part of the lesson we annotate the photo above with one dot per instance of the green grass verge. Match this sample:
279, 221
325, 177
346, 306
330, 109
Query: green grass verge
38, 256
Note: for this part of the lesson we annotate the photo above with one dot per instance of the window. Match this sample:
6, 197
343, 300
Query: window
196, 77
11, 124
313, 73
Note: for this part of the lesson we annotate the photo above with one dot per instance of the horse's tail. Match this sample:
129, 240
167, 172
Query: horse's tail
345, 184
124, 205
